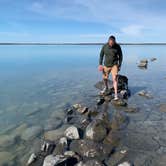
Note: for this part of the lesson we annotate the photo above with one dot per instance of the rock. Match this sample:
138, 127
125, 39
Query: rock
95, 131
31, 132
119, 102
47, 147
100, 85
54, 135
72, 132
7, 140
93, 163
126, 163
162, 107
61, 146
115, 158
119, 121
108, 98
52, 160
143, 63
31, 159
100, 101
52, 124
6, 158
19, 130
82, 110
113, 139
90, 149
145, 94
131, 109
124, 94
69, 153
77, 106
153, 59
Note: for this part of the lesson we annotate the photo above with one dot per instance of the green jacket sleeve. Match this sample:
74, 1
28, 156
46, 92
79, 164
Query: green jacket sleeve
101, 56
120, 55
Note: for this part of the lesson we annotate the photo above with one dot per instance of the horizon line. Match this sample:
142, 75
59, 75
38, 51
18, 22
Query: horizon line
78, 43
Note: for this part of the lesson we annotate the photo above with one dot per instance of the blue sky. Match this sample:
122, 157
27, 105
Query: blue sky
82, 20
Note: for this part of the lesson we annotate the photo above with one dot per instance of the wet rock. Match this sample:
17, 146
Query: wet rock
19, 130
145, 94
31, 133
100, 85
52, 124
115, 158
108, 98
95, 131
119, 121
77, 106
126, 163
61, 146
131, 109
69, 153
90, 163
54, 135
124, 94
6, 158
72, 132
119, 102
162, 107
144, 61
100, 101
52, 160
47, 147
90, 149
153, 59
6, 140
113, 139
31, 159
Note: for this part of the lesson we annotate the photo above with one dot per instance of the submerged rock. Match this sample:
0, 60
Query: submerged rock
95, 131
145, 94
6, 158
72, 132
31, 133
131, 109
6, 140
162, 107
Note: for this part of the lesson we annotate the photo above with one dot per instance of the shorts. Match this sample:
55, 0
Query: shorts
107, 70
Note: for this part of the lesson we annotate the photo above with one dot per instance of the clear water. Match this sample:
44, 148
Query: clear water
47, 78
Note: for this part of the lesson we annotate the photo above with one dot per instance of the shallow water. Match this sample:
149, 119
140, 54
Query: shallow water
37, 82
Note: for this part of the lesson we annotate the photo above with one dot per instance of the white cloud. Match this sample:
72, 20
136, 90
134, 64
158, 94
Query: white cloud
133, 30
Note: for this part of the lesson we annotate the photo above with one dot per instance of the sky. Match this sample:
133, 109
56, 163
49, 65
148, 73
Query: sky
82, 20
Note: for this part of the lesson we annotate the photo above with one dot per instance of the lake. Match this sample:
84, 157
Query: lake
38, 82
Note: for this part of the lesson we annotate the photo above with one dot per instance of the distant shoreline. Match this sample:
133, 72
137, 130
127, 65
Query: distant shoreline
38, 43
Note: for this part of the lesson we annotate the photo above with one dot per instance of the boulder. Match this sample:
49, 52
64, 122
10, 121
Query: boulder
72, 133
90, 149
119, 102
52, 160
145, 94
95, 131
162, 107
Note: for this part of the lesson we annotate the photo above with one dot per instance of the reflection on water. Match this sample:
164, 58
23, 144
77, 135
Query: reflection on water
38, 82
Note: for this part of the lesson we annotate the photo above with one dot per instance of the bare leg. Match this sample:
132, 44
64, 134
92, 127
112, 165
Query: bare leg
115, 84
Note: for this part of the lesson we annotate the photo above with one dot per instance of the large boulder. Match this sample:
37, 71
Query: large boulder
95, 131
52, 160
72, 133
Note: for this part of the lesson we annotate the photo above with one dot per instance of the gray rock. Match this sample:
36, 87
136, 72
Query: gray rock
90, 149
126, 163
119, 102
145, 94
162, 107
52, 160
7, 140
31, 133
132, 109
95, 131
31, 159
72, 132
